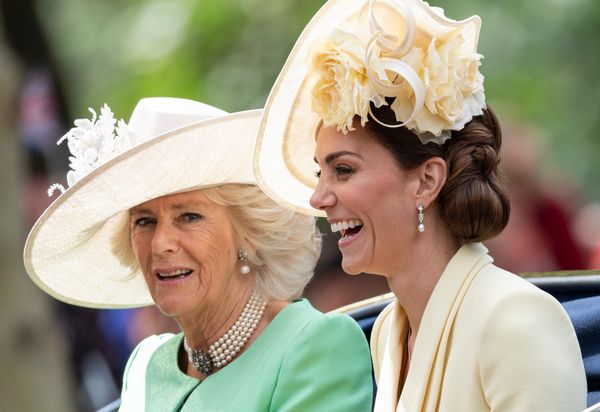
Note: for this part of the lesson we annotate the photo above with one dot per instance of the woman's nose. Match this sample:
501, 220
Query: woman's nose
165, 239
322, 198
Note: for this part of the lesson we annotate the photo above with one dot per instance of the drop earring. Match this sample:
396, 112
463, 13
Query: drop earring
421, 218
243, 257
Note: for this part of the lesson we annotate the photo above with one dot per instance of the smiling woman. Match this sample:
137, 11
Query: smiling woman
390, 103
164, 210
361, 172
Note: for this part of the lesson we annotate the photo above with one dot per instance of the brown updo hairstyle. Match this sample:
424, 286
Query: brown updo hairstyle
473, 202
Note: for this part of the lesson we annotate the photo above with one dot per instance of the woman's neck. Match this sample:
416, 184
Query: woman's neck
203, 328
413, 282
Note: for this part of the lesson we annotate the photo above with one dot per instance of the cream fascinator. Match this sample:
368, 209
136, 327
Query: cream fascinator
169, 146
354, 53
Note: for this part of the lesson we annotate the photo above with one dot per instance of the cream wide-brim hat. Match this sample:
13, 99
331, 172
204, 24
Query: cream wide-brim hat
284, 160
189, 146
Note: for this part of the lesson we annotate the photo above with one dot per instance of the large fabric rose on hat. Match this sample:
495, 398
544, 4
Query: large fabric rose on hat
427, 64
452, 83
343, 89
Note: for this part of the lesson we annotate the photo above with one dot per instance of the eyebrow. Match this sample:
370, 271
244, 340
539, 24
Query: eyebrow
175, 206
332, 156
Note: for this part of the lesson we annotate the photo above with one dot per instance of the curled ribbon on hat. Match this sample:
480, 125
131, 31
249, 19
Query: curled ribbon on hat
386, 44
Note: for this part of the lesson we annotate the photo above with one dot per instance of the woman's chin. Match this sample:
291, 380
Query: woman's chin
170, 306
167, 309
350, 267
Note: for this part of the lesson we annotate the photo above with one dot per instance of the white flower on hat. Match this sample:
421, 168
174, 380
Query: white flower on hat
343, 89
428, 67
93, 143
452, 83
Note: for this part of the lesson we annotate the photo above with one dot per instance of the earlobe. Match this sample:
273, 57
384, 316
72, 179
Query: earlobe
247, 246
432, 177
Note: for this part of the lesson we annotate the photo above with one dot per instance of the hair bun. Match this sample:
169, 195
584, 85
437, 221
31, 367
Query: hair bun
486, 158
474, 201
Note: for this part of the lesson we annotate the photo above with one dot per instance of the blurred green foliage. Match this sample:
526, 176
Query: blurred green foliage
541, 59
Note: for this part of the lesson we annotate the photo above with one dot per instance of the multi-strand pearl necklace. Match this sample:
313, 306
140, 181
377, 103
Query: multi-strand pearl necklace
226, 348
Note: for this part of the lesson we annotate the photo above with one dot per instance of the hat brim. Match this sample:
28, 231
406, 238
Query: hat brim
68, 251
283, 161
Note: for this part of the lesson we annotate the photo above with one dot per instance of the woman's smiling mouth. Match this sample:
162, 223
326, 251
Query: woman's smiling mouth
347, 228
174, 274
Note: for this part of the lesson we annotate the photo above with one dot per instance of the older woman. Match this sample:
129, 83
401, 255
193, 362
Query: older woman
165, 211
407, 160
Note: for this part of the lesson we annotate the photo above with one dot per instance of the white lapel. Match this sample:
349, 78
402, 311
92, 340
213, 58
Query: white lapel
423, 383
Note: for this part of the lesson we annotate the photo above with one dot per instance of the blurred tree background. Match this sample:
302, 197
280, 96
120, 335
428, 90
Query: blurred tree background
541, 59
541, 63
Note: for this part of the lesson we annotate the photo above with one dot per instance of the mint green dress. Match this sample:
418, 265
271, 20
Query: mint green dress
303, 361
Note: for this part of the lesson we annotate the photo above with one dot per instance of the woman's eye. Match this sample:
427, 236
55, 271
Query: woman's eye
143, 221
191, 217
343, 170
318, 174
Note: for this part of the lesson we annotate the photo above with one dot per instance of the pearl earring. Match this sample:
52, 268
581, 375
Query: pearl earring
243, 257
421, 218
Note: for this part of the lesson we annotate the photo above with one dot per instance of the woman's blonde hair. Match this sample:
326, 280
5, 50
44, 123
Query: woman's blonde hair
282, 245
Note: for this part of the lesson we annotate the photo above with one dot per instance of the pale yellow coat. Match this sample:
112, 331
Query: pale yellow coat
488, 341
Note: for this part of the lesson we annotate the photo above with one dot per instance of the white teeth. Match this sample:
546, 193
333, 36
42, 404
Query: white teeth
174, 273
345, 224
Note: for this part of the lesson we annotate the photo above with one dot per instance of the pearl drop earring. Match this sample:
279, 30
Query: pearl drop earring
243, 257
421, 218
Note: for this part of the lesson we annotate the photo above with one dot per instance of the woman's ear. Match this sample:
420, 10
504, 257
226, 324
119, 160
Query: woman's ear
432, 177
